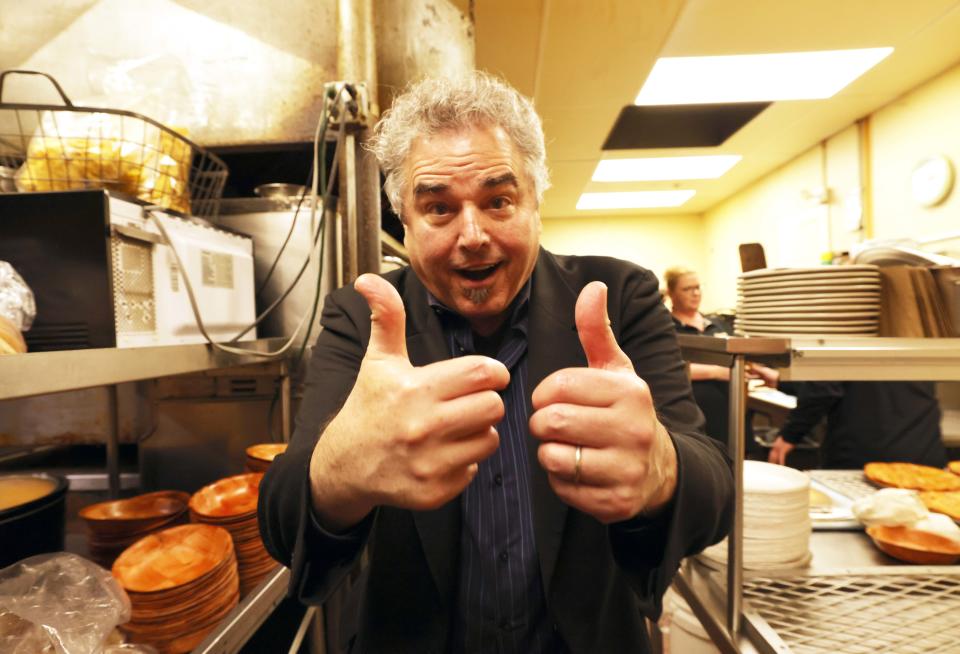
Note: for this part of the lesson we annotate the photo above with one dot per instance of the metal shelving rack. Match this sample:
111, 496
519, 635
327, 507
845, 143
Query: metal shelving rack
772, 620
40, 373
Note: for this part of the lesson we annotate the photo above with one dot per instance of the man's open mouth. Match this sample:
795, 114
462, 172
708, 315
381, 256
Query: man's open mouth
478, 274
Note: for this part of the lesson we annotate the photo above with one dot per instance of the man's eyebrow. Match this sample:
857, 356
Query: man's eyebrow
506, 178
429, 189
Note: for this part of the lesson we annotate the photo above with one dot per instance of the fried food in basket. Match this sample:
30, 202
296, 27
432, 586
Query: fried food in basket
954, 467
946, 502
11, 340
911, 475
99, 150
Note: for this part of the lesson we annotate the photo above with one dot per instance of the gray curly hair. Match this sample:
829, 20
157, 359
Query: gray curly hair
435, 105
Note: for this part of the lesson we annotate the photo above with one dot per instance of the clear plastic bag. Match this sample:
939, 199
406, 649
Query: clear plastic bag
16, 298
60, 604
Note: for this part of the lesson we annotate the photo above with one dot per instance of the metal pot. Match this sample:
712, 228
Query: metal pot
36, 525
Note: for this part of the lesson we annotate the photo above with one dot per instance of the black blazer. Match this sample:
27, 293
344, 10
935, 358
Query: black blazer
599, 580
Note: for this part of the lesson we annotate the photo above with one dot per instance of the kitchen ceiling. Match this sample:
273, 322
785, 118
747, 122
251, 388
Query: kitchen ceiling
582, 62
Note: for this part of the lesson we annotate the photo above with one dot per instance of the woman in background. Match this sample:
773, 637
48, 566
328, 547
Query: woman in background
710, 383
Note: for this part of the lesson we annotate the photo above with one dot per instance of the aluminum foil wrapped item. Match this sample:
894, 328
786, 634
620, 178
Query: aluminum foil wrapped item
17, 310
62, 604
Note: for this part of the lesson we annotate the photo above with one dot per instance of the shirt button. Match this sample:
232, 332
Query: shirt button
504, 556
498, 479
504, 624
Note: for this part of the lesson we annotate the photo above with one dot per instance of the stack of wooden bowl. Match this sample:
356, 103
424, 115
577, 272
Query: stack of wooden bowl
181, 582
114, 526
232, 503
261, 455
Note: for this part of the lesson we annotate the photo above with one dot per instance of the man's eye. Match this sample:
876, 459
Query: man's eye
438, 208
500, 202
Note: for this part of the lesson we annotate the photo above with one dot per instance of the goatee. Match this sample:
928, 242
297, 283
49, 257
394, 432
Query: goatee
477, 295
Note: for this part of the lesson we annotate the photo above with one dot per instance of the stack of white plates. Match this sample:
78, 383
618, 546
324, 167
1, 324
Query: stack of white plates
776, 519
829, 300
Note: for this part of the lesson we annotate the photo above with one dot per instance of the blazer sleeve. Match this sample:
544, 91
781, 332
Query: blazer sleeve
318, 560
650, 550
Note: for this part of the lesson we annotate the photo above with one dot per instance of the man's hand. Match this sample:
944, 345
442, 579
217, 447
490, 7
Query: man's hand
779, 451
628, 462
407, 437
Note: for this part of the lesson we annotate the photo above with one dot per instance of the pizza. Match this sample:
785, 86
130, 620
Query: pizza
911, 475
947, 502
954, 467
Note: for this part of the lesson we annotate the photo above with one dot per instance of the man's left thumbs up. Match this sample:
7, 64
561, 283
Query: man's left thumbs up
593, 327
604, 450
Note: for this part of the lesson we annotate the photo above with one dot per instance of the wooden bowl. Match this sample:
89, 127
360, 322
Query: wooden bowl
914, 546
172, 557
135, 514
228, 498
266, 451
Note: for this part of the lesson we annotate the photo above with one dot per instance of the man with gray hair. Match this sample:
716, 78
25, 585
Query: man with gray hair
509, 433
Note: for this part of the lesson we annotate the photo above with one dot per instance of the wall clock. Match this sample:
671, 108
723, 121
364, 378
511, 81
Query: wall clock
931, 181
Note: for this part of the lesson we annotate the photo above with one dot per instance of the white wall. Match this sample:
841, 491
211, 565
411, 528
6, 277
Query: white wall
798, 232
654, 242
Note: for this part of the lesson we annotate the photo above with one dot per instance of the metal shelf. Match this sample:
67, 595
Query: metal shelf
38, 373
807, 359
244, 620
823, 359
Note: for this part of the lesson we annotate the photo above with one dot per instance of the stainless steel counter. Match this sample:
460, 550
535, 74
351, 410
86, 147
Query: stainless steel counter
852, 598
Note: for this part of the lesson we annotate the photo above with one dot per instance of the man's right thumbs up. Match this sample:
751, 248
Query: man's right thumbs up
387, 317
406, 436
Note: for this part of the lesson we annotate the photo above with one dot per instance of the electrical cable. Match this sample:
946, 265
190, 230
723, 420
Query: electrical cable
306, 262
324, 121
150, 212
286, 240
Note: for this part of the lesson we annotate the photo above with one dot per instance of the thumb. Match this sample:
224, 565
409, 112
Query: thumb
387, 317
593, 327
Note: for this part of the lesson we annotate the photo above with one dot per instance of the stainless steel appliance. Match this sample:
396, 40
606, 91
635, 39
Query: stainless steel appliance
103, 275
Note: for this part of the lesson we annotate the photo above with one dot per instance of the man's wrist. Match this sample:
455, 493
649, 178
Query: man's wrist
334, 507
664, 467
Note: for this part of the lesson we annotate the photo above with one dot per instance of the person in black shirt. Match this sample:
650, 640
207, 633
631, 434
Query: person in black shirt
866, 421
491, 438
710, 383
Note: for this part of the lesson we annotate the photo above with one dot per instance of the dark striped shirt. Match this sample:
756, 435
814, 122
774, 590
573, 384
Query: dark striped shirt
501, 607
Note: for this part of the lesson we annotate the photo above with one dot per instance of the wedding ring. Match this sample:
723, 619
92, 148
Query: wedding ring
577, 461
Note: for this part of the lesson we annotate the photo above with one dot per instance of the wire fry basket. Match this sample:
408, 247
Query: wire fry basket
58, 148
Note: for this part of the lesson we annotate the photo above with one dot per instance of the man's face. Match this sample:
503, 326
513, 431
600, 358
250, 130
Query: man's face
686, 297
472, 221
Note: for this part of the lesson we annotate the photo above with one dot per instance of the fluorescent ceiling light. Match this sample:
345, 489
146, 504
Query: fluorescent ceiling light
757, 77
650, 169
633, 199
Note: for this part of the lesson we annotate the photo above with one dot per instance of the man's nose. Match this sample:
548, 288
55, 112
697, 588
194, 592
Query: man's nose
473, 234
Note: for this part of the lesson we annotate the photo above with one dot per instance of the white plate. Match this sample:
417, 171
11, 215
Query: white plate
829, 325
854, 304
808, 283
767, 314
857, 290
820, 270
811, 334
812, 279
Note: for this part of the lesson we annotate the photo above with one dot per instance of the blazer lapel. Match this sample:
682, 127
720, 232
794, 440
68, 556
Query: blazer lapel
439, 530
552, 344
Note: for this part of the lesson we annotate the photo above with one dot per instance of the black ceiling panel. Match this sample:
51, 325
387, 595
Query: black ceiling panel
679, 125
